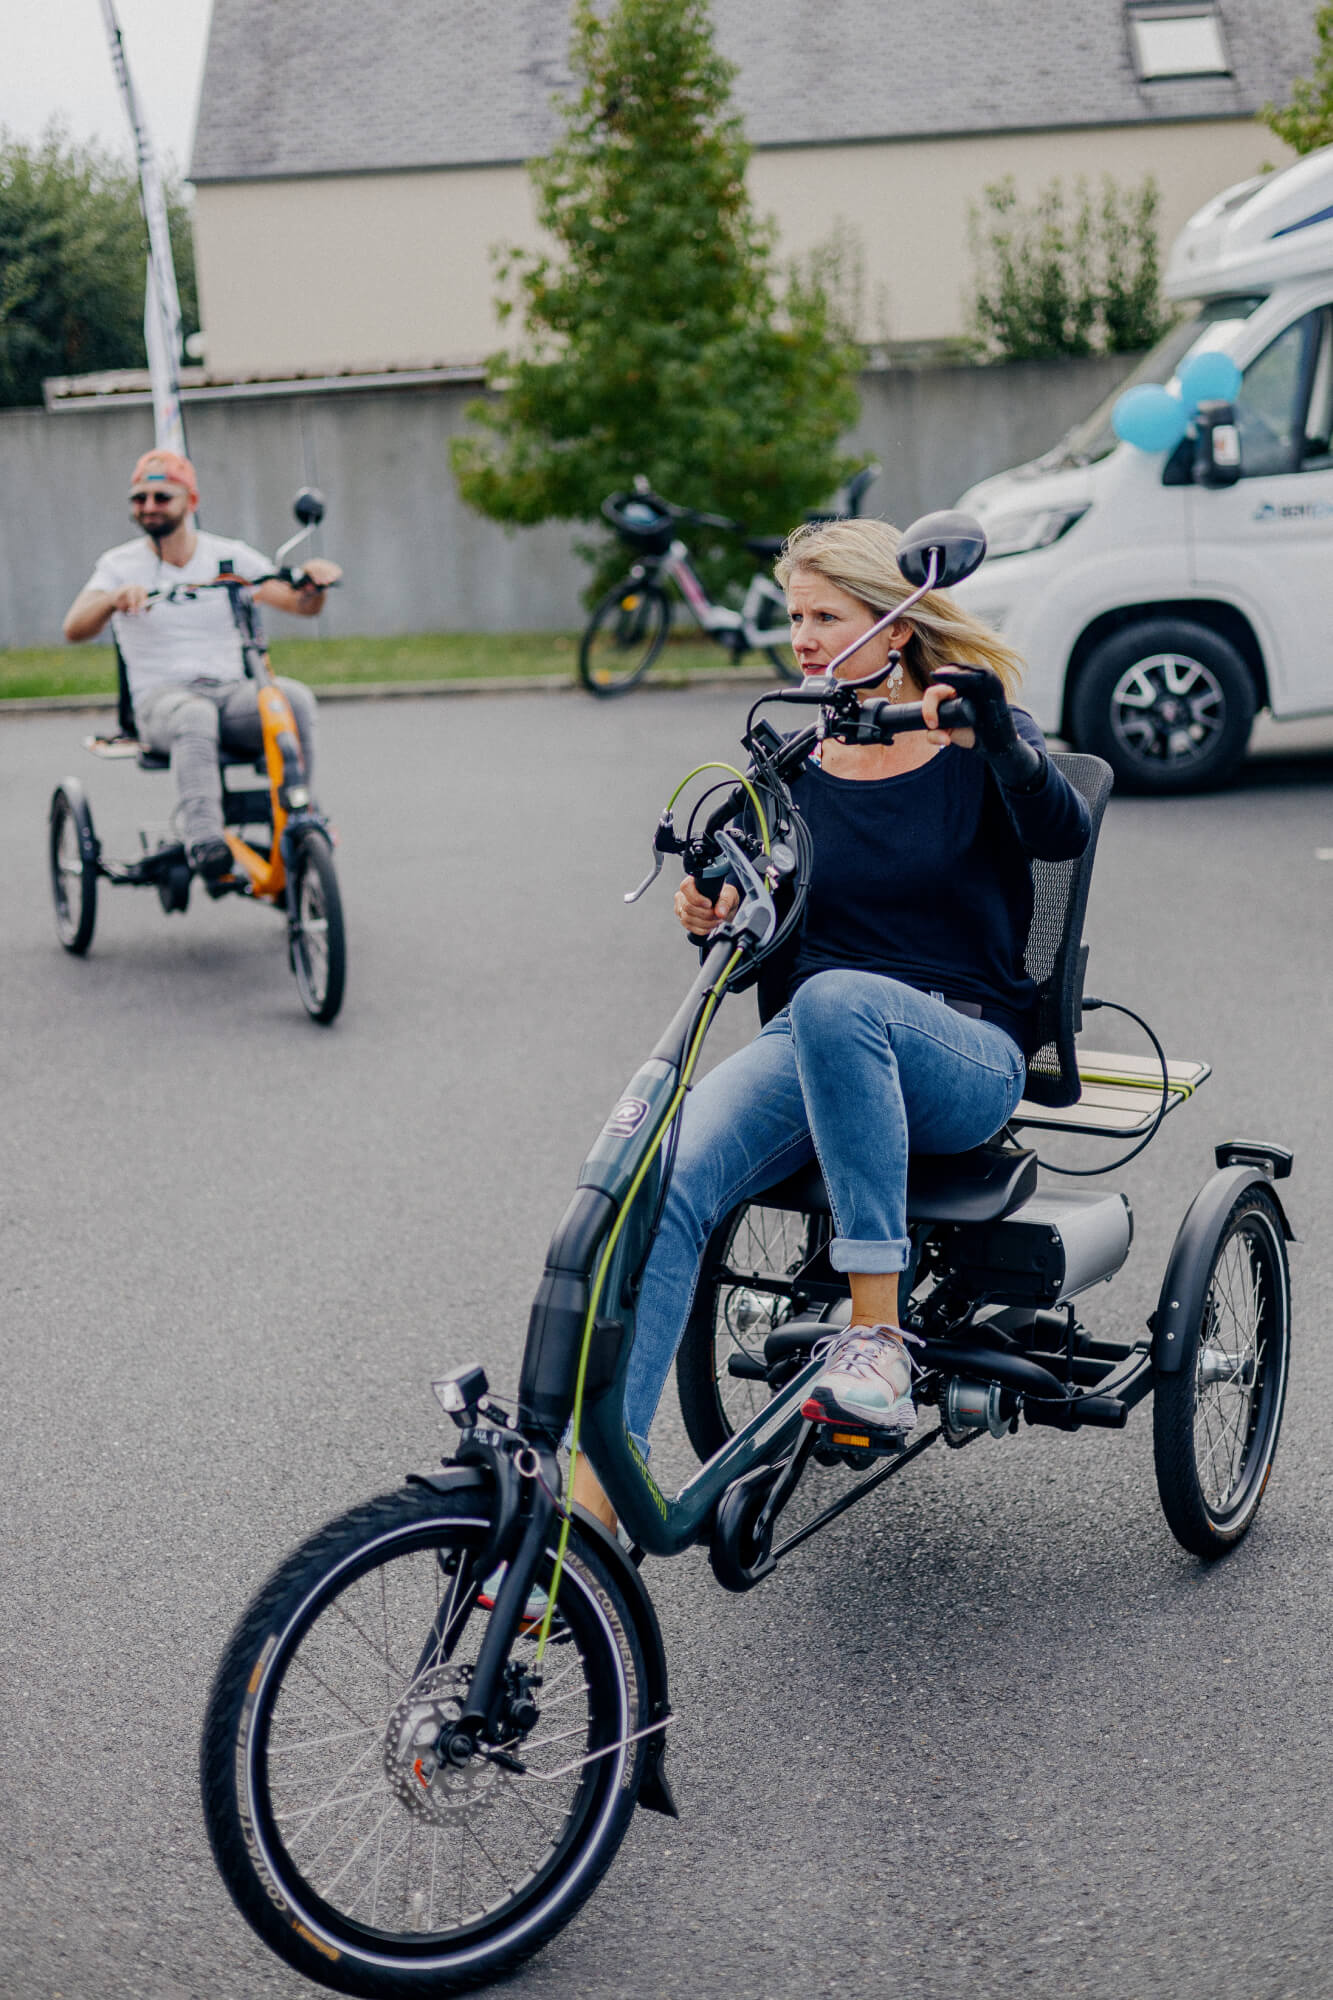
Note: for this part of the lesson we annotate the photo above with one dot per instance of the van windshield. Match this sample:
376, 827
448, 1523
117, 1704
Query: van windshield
1206, 328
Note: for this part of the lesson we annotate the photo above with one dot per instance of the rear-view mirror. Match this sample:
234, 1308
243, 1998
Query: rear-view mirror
1217, 445
959, 541
308, 506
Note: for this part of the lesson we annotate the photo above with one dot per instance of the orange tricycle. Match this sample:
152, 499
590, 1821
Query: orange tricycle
282, 845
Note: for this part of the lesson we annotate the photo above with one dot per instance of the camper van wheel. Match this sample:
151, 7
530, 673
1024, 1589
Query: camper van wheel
1167, 703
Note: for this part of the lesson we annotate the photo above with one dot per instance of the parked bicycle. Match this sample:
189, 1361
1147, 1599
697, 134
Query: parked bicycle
630, 626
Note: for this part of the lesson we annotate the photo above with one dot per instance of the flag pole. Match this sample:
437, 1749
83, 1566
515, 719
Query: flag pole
162, 311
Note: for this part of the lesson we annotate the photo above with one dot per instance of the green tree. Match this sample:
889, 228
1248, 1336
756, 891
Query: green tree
73, 257
656, 338
1307, 121
1054, 278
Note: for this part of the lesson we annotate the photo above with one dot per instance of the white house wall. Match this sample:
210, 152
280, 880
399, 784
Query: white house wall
366, 271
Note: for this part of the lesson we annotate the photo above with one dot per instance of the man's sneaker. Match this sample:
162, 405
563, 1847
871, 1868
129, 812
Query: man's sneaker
866, 1379
211, 859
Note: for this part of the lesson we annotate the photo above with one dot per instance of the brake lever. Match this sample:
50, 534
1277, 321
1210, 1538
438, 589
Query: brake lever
665, 841
756, 898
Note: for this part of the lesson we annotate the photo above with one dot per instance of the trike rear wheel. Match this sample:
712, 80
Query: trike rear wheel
1216, 1420
360, 1851
72, 849
318, 940
744, 1292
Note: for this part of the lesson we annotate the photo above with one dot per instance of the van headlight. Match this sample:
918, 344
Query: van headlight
1017, 534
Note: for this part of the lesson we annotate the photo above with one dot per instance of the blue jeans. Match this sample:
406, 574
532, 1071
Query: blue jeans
854, 1072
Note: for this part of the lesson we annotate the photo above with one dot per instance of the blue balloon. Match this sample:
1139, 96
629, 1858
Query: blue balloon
1209, 378
1150, 417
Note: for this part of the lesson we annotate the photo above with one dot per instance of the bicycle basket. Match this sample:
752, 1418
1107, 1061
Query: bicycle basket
639, 520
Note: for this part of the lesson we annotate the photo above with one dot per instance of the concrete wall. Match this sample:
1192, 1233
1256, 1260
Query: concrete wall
365, 271
417, 560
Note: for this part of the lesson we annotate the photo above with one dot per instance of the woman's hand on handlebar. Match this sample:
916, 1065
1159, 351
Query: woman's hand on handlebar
941, 691
696, 914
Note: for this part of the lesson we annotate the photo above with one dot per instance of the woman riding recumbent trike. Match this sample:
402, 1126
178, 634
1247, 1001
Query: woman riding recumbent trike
428, 1733
281, 845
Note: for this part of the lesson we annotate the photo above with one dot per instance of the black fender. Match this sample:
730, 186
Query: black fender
654, 1791
1181, 1298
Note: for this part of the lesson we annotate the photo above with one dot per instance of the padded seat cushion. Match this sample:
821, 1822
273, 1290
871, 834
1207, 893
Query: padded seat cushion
979, 1186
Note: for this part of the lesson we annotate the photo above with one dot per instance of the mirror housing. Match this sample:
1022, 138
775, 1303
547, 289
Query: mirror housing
1216, 445
960, 542
308, 506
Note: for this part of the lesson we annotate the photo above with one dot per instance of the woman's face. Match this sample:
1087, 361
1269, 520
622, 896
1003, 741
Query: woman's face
825, 619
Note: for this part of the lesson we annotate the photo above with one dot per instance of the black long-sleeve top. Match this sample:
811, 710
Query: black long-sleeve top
925, 877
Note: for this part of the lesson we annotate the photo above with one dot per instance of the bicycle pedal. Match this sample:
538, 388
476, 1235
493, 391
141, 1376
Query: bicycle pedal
853, 1437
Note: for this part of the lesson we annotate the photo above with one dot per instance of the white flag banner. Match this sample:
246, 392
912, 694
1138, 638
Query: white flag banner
162, 311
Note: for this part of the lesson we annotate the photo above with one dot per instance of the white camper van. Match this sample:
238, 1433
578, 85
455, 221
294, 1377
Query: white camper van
1160, 599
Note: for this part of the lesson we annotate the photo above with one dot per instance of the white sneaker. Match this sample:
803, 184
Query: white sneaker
866, 1379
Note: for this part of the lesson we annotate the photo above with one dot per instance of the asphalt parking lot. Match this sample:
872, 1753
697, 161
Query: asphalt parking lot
992, 1733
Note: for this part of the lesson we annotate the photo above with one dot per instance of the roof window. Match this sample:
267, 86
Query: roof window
1177, 40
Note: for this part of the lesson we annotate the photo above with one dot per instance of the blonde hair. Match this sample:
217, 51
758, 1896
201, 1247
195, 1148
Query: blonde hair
861, 557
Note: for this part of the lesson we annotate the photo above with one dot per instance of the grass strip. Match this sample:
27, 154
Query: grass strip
41, 671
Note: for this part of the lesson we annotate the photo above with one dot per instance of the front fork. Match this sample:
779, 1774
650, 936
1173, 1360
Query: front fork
526, 1484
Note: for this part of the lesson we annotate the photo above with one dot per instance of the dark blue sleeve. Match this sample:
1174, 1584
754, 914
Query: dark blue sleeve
1052, 820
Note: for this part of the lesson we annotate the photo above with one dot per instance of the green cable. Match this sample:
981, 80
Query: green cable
733, 772
687, 1072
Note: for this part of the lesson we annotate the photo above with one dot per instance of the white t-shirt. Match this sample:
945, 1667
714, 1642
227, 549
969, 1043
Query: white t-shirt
190, 640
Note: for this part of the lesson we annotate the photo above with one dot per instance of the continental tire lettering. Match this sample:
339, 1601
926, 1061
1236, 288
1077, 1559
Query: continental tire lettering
624, 1651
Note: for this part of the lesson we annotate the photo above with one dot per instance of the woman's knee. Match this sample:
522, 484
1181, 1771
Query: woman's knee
831, 998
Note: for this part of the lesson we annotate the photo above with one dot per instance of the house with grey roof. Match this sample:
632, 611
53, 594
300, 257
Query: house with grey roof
356, 160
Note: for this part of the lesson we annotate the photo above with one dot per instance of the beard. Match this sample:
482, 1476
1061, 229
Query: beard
159, 526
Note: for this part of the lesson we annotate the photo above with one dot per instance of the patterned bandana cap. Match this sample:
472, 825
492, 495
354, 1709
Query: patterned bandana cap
168, 467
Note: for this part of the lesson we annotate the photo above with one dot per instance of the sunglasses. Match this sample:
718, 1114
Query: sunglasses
141, 496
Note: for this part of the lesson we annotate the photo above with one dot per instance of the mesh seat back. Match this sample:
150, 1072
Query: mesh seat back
1055, 956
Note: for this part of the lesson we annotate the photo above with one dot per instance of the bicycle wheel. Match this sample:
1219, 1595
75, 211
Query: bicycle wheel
356, 1856
318, 941
752, 1255
72, 851
624, 636
1216, 1422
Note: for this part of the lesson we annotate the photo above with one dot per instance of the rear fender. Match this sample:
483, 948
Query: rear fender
1181, 1298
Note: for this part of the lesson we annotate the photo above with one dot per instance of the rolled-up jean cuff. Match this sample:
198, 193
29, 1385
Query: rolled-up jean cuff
850, 1253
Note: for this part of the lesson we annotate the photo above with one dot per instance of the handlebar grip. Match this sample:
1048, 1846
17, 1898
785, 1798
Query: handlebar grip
709, 881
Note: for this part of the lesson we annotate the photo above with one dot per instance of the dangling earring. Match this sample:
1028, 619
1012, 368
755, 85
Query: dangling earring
895, 680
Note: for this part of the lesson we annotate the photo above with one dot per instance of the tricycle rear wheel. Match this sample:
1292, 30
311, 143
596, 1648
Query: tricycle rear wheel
72, 850
1216, 1420
743, 1293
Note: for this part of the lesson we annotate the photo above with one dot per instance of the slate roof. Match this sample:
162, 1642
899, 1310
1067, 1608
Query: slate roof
348, 86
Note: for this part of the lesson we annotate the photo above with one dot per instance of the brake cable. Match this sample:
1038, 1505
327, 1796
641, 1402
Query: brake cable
1088, 1173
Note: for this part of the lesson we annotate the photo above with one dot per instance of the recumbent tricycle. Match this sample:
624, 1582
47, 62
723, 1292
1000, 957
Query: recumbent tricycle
288, 860
428, 1733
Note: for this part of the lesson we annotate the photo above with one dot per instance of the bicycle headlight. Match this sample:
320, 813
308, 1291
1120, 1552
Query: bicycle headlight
1036, 528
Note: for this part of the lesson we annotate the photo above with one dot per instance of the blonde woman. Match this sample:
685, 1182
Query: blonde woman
902, 1015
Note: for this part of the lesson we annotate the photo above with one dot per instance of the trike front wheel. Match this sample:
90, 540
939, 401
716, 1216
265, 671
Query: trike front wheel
361, 1856
318, 939
1216, 1419
72, 852
624, 636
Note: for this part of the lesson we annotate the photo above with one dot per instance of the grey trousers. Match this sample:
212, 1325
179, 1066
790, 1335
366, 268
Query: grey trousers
191, 720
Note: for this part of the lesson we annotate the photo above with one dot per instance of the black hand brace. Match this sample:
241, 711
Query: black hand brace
1017, 765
